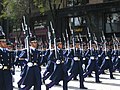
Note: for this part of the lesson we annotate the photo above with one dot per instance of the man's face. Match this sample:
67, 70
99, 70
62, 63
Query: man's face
60, 45
34, 44
77, 45
93, 45
71, 45
52, 46
9, 47
3, 44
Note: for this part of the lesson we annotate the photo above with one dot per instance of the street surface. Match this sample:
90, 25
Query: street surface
107, 83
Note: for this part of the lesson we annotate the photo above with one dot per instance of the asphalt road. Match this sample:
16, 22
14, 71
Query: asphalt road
107, 83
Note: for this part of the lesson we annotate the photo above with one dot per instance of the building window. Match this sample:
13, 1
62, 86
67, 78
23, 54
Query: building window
112, 23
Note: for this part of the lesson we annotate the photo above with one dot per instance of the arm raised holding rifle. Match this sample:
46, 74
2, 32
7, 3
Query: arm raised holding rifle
107, 62
59, 72
32, 70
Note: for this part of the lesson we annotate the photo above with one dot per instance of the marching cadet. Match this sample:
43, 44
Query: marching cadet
19, 61
92, 63
60, 71
32, 76
100, 55
117, 62
107, 62
85, 59
50, 64
11, 57
5, 66
77, 65
68, 59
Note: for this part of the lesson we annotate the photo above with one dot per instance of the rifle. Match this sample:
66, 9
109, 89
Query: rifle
78, 40
27, 34
90, 41
64, 40
95, 40
1, 31
73, 38
16, 50
49, 38
68, 43
81, 40
104, 42
117, 41
87, 41
113, 42
54, 40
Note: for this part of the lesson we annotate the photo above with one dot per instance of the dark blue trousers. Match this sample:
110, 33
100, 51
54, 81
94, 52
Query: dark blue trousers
59, 74
6, 80
92, 66
49, 70
107, 64
32, 78
77, 70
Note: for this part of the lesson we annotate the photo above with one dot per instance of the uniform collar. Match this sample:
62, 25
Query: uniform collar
33, 48
1, 48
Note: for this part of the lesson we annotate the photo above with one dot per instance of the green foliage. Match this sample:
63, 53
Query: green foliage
14, 9
41, 5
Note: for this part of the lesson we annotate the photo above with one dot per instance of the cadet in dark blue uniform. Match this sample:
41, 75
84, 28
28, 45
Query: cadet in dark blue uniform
60, 71
92, 63
100, 56
5, 66
12, 56
19, 61
77, 65
107, 62
69, 60
117, 62
50, 64
32, 76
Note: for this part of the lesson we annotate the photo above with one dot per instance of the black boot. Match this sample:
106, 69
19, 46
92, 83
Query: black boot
83, 88
47, 88
90, 75
58, 84
98, 81
75, 78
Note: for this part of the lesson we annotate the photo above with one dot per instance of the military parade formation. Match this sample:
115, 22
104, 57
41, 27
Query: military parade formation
63, 60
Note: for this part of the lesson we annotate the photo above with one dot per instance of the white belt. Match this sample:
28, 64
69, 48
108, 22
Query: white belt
118, 56
21, 58
30, 64
1, 66
99, 55
5, 68
58, 62
42, 55
76, 59
34, 64
84, 58
107, 57
93, 58
62, 62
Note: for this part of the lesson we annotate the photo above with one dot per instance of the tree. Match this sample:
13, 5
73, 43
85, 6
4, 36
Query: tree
14, 9
12, 13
